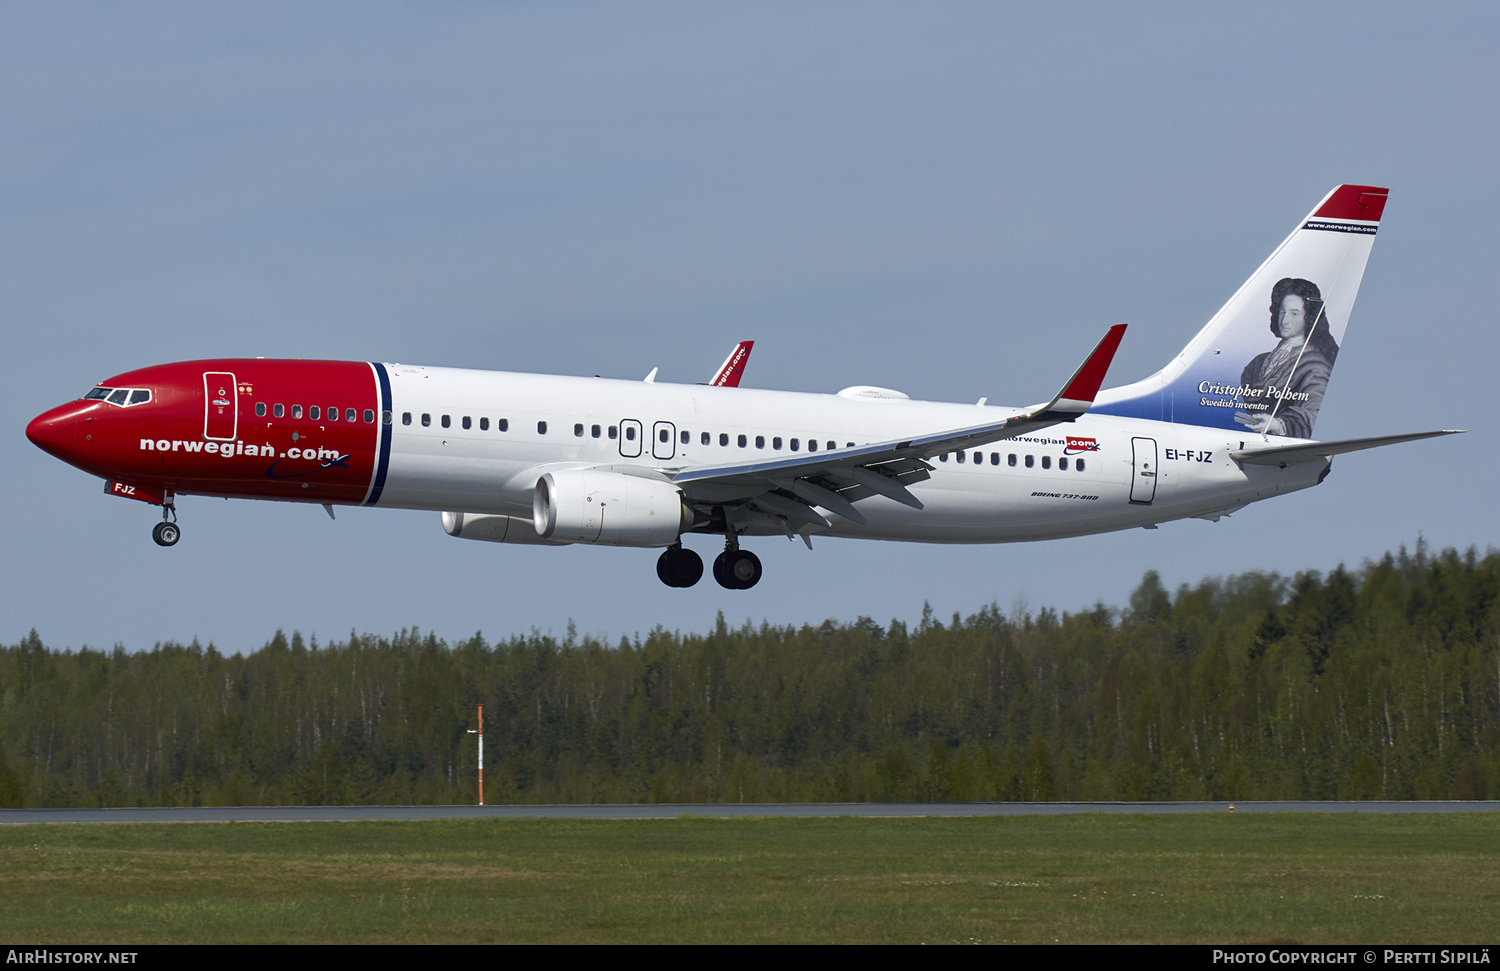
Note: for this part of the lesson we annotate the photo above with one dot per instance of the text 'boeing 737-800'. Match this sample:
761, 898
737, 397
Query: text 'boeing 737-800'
548, 460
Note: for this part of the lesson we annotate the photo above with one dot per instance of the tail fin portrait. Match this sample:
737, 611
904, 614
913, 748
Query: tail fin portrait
1262, 364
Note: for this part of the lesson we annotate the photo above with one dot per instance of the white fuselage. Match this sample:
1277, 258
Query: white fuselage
1134, 472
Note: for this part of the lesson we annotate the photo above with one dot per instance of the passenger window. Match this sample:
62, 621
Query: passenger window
369, 416
467, 423
595, 431
742, 441
502, 424
705, 439
724, 439
541, 428
447, 422
385, 417
1079, 466
278, 410
812, 444
665, 436
260, 409
1030, 461
978, 458
832, 446
795, 444
578, 430
613, 432
139, 397
776, 443
760, 441
960, 456
629, 433
484, 424
994, 458
846, 445
333, 413
426, 418
943, 457
1010, 460
296, 411
1046, 461
1062, 463
314, 411
349, 415
687, 437
405, 417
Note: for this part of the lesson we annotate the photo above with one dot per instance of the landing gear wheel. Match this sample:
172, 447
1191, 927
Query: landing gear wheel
166, 534
737, 569
677, 567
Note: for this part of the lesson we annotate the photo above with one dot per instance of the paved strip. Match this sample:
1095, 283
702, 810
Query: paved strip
219, 814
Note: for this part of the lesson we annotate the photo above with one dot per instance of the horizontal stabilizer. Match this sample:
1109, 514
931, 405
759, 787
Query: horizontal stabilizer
1290, 454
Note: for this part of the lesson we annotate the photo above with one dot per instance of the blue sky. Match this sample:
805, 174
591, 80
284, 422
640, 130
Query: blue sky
953, 200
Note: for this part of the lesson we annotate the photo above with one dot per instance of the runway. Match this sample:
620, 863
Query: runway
289, 814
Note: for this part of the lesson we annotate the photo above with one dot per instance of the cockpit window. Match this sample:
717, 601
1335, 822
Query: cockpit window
119, 396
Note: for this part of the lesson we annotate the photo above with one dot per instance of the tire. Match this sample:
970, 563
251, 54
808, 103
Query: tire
686, 568
744, 569
721, 571
166, 534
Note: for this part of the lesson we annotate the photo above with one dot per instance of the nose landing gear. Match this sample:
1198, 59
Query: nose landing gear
167, 533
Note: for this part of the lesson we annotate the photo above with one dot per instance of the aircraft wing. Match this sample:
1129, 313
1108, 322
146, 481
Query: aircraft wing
733, 368
789, 487
1285, 455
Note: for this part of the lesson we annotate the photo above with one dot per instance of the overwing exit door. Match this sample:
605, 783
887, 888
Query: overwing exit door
663, 440
630, 437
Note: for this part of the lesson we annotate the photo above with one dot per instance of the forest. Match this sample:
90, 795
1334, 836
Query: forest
1376, 683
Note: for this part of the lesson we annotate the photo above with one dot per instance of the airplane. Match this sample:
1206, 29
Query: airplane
555, 460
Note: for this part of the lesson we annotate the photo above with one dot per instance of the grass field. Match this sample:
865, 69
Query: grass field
1024, 879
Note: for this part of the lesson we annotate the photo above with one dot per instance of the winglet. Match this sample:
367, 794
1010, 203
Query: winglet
733, 368
1081, 389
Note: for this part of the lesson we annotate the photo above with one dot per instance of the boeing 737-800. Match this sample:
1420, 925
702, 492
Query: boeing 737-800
548, 460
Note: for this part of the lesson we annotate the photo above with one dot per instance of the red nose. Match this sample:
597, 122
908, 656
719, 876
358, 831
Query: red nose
56, 431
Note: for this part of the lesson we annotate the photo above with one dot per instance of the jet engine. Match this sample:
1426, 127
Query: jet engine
608, 509
494, 529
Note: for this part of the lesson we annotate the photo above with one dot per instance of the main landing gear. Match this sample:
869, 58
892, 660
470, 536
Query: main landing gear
167, 533
678, 567
734, 569
737, 569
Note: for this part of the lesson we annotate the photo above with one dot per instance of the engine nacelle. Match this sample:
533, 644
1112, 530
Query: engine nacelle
608, 509
494, 529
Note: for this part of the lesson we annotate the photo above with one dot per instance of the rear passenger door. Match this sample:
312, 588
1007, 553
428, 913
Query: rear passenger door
1144, 468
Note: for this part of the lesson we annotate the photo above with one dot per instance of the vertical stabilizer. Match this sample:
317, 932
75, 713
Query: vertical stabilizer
1262, 364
